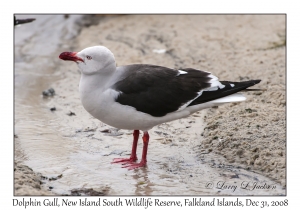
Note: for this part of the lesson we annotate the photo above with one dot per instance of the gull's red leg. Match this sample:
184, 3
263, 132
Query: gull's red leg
144, 155
133, 157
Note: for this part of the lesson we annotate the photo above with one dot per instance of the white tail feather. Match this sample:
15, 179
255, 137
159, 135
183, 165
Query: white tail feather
237, 97
231, 98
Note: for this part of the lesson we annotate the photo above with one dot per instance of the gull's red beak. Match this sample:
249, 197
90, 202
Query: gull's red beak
70, 56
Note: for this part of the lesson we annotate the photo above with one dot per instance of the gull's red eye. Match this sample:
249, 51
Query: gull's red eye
88, 57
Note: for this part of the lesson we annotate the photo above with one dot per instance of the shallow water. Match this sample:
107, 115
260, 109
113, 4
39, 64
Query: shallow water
54, 143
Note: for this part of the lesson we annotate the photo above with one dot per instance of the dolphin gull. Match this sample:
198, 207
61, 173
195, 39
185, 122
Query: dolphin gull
141, 96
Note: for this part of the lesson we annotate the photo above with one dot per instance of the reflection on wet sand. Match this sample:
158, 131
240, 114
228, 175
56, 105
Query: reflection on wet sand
143, 184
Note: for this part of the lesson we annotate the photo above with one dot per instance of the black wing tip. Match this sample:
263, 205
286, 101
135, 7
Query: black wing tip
253, 82
256, 81
250, 83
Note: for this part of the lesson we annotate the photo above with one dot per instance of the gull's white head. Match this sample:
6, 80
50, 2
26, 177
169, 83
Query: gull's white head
92, 60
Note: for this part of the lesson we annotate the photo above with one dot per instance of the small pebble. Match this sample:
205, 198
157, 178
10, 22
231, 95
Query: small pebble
71, 113
49, 92
106, 131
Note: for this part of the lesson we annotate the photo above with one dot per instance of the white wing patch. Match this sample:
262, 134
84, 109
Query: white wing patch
215, 84
211, 88
232, 85
181, 72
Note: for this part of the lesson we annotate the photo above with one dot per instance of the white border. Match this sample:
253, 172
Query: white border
154, 6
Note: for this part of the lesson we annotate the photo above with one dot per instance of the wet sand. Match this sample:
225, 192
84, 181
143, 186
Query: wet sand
232, 143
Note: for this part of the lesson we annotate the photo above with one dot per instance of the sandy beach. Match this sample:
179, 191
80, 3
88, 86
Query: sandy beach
68, 152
